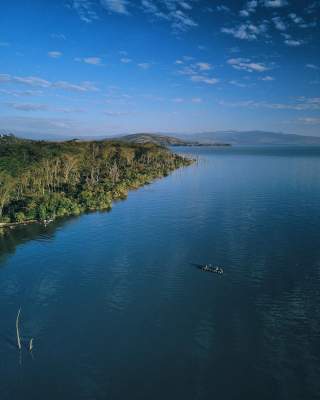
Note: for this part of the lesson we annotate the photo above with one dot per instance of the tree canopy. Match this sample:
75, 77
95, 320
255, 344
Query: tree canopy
42, 180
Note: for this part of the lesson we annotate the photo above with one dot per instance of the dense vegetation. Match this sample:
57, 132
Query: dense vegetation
43, 180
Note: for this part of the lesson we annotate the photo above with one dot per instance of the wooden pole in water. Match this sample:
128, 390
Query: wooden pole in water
31, 345
17, 328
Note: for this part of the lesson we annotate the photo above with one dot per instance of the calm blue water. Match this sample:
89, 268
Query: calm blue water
118, 310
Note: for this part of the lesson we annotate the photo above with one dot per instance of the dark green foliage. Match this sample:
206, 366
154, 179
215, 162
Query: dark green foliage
43, 180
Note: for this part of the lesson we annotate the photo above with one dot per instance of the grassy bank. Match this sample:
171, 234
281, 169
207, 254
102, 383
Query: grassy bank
40, 181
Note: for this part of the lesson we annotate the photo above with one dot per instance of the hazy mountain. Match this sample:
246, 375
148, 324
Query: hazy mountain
162, 140
166, 140
251, 138
196, 139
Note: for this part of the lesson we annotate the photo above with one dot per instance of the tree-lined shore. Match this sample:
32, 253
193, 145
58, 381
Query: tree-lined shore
40, 180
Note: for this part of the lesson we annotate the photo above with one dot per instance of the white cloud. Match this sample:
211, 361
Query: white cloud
31, 81
82, 87
85, 10
313, 66
54, 54
89, 60
223, 8
59, 36
196, 100
239, 84
244, 13
92, 60
275, 3
279, 24
20, 93
293, 43
28, 106
300, 104
144, 65
203, 66
115, 6
268, 78
310, 121
69, 110
35, 81
295, 18
5, 78
204, 79
116, 113
247, 65
177, 12
4, 44
178, 100
125, 60
250, 8
247, 31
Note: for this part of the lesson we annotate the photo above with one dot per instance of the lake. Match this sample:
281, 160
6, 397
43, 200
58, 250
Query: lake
118, 309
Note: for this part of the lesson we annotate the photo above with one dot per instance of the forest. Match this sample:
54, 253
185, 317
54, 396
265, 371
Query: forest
42, 180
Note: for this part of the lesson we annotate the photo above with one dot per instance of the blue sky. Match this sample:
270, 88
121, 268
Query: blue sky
103, 67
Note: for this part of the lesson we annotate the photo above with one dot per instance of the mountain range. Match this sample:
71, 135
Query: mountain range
215, 138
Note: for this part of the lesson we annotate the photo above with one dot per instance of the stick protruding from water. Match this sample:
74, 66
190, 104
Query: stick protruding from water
31, 345
17, 329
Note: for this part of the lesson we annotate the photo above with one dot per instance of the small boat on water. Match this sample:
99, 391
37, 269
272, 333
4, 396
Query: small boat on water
211, 268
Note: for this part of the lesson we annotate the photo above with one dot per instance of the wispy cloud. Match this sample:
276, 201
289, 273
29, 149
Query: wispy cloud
116, 113
279, 23
275, 3
176, 12
198, 72
197, 100
238, 84
116, 6
247, 31
178, 100
35, 81
59, 36
54, 54
313, 66
203, 66
246, 64
86, 10
4, 44
28, 106
144, 65
249, 8
223, 8
85, 86
300, 104
204, 79
310, 121
268, 78
89, 60
125, 60
92, 60
293, 42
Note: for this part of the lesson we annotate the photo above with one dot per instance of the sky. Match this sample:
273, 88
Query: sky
106, 67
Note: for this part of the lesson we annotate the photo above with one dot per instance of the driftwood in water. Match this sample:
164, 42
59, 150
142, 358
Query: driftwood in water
17, 329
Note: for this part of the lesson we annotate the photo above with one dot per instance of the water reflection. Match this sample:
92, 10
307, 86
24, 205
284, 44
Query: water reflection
117, 310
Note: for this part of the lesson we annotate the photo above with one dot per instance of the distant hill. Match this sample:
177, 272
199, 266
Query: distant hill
142, 138
165, 140
217, 138
251, 138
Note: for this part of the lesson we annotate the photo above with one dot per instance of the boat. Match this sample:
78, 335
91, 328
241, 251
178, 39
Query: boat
211, 268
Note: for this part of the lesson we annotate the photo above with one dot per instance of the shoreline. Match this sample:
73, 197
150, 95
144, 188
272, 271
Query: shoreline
12, 225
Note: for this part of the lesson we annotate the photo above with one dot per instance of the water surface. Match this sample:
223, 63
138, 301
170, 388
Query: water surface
118, 310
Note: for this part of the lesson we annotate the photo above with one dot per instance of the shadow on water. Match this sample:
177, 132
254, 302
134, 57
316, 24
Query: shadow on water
11, 238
